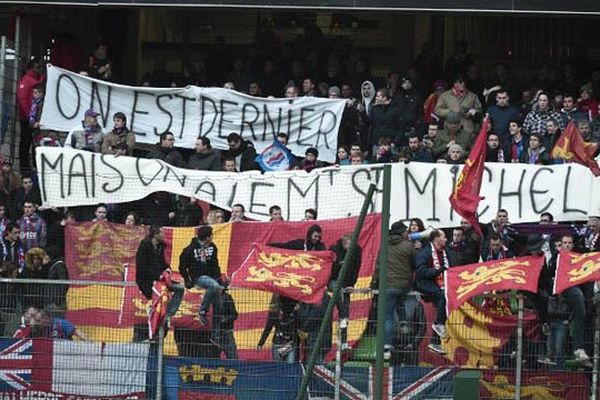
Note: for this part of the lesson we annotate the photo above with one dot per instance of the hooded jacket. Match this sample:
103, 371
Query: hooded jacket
367, 102
197, 260
401, 263
25, 92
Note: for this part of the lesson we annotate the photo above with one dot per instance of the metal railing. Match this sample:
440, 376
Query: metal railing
497, 335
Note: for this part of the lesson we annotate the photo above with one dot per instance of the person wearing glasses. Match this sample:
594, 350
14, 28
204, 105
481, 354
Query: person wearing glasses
165, 150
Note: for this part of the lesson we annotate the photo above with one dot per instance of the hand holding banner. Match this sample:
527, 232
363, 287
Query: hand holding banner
464, 282
299, 275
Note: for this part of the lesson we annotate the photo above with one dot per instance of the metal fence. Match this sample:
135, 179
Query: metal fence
91, 338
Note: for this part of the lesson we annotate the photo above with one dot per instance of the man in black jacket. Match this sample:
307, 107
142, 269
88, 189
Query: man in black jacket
311, 243
150, 265
205, 158
242, 151
343, 304
199, 266
165, 150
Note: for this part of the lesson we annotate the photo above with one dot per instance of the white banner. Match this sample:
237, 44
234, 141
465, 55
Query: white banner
70, 177
193, 111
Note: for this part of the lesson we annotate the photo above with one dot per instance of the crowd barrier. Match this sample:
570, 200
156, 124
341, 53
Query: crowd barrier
110, 355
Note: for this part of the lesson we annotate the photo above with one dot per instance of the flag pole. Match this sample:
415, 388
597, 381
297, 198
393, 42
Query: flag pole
336, 294
596, 355
382, 279
159, 362
519, 369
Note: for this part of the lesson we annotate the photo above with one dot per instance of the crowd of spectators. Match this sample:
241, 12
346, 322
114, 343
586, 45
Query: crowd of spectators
430, 113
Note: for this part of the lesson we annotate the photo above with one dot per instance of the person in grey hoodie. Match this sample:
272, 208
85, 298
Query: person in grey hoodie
205, 158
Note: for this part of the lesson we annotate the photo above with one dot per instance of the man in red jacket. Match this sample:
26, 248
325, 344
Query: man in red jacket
24, 99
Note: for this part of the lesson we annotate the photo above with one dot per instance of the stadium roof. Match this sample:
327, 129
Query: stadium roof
488, 6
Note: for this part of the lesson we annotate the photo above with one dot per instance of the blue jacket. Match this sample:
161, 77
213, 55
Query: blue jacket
501, 117
426, 275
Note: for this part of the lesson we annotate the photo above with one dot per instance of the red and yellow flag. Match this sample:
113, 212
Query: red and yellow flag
573, 269
160, 301
98, 250
465, 198
464, 282
570, 146
108, 313
296, 274
135, 305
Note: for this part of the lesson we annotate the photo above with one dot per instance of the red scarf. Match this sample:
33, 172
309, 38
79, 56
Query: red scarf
436, 255
458, 93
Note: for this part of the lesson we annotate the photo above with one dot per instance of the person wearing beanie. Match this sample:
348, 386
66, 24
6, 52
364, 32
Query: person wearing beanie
334, 92
401, 270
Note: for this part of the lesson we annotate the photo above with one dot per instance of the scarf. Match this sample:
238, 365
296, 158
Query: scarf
458, 93
120, 132
516, 149
533, 156
309, 165
590, 241
88, 135
7, 252
33, 111
437, 264
501, 254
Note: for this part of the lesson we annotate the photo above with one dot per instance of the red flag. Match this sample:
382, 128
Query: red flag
297, 274
573, 269
570, 146
134, 309
98, 250
464, 282
465, 197
160, 301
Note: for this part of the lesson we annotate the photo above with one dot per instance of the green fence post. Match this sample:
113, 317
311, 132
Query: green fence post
383, 256
465, 385
336, 293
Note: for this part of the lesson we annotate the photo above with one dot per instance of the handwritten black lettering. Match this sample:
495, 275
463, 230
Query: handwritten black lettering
255, 207
410, 195
533, 192
58, 163
211, 190
164, 110
134, 110
518, 193
246, 121
105, 114
566, 208
69, 96
118, 182
80, 173
204, 112
222, 112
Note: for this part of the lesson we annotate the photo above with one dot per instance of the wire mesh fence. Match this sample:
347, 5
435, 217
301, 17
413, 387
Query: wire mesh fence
91, 338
